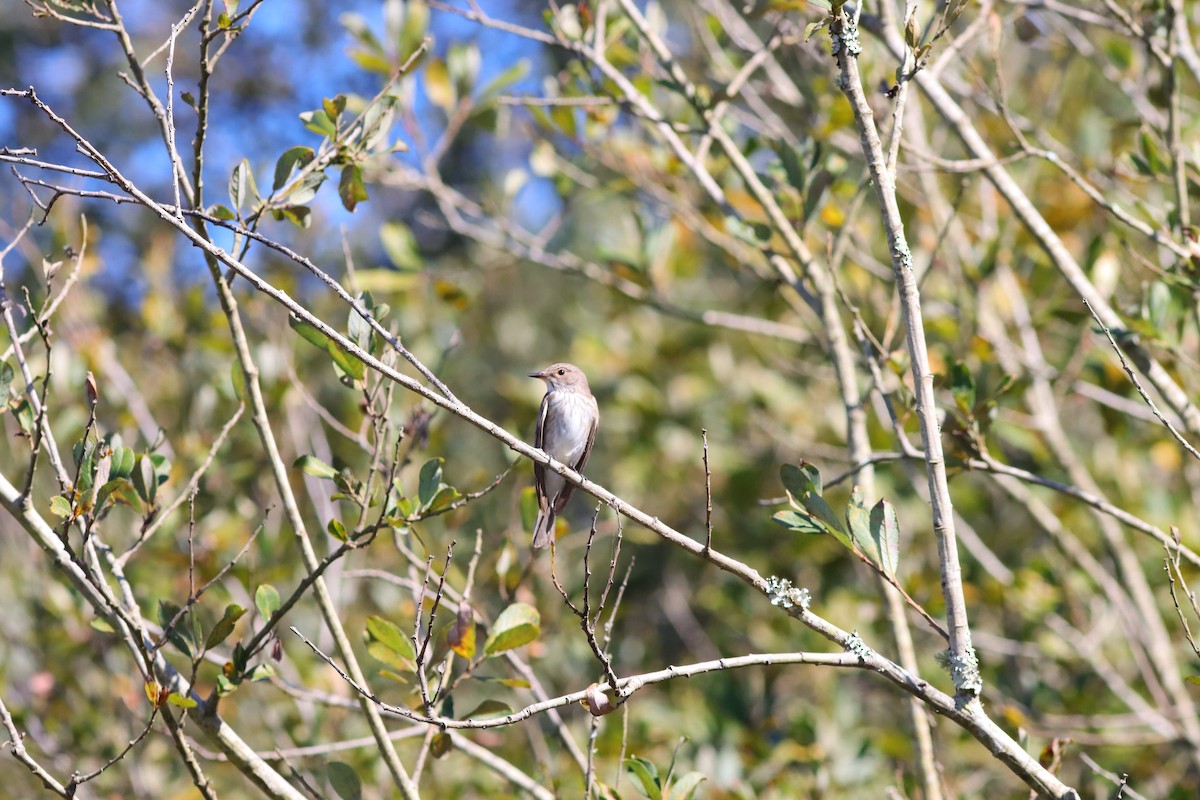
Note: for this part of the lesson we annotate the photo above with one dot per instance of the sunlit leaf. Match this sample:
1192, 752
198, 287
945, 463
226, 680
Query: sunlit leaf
260, 672
60, 506
266, 600
311, 465
646, 775
292, 159
319, 123
438, 87
685, 787
241, 185
517, 625
390, 636
225, 626
349, 364
515, 683
337, 530
333, 107
176, 699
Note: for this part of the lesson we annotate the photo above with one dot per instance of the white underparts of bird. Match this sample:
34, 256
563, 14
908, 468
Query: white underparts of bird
566, 431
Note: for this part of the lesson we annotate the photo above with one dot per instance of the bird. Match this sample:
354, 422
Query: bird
566, 431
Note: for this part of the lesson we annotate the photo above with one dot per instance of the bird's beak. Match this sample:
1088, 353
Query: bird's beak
541, 374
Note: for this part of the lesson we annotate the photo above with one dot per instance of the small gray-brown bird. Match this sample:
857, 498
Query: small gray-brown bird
566, 430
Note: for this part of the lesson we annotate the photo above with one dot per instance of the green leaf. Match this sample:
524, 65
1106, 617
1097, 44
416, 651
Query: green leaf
344, 780
685, 787
224, 20
438, 86
319, 123
122, 462
167, 611
513, 74
517, 625
144, 482
885, 529
529, 508
315, 467
221, 212
821, 510
260, 673
445, 496
401, 246
176, 699
102, 625
912, 34
858, 521
292, 159
377, 122
441, 745
241, 185
397, 663
489, 708
390, 636
300, 216
514, 683
6, 378
431, 480
334, 107
351, 188
121, 490
349, 364
371, 62
24, 414
962, 386
416, 22
799, 521
308, 333
238, 378
358, 329
266, 600
647, 775
306, 190
60, 506
793, 164
1150, 151
1158, 305
801, 479
224, 627
337, 530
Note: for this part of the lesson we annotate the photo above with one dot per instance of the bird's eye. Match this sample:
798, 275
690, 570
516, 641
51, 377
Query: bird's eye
562, 372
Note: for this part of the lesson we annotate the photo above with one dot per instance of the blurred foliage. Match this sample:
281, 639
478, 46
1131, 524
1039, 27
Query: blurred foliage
592, 179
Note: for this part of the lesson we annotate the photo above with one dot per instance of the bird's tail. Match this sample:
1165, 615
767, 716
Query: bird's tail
543, 529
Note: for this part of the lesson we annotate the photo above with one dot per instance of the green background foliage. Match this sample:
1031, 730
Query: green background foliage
442, 207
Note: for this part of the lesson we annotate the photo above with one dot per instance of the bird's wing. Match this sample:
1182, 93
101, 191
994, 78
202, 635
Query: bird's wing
539, 440
564, 494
